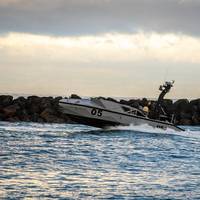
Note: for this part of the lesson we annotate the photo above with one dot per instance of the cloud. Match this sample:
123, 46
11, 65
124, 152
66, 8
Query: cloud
107, 64
82, 17
104, 48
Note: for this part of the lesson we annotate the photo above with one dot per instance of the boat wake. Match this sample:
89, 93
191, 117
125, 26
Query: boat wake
145, 128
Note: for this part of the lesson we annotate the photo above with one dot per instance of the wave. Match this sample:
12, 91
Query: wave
24, 127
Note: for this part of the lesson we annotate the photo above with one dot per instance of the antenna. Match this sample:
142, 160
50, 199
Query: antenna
166, 73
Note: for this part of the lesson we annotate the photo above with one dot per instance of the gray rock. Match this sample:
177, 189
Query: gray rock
6, 100
10, 111
75, 96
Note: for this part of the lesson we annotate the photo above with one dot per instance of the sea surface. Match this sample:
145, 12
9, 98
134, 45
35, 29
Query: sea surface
62, 161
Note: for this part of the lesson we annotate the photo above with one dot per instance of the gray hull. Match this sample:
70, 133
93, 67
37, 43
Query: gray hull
99, 116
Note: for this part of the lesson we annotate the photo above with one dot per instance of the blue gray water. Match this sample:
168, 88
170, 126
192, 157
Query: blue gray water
58, 161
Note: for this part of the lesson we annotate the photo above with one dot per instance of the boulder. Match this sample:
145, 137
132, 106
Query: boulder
49, 111
13, 119
195, 102
64, 117
196, 119
185, 115
11, 110
1, 108
75, 96
144, 102
194, 105
111, 99
34, 108
134, 103
40, 120
122, 101
101, 98
49, 115
185, 122
193, 108
55, 103
6, 100
1, 116
33, 100
20, 101
34, 117
57, 99
23, 115
46, 102
181, 105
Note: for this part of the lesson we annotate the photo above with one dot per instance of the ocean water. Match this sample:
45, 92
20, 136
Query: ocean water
62, 161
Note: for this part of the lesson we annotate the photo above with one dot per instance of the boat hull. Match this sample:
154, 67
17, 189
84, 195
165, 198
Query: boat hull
102, 118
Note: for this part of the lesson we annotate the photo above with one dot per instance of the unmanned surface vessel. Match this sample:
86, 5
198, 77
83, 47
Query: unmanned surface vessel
102, 113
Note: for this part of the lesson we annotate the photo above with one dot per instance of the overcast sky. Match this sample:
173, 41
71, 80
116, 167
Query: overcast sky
99, 47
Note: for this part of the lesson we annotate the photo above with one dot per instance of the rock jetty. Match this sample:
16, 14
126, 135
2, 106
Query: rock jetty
31, 109
46, 109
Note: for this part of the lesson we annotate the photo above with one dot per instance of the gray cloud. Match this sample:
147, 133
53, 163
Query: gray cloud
77, 17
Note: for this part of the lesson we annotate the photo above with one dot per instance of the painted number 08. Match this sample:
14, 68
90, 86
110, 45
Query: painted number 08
97, 112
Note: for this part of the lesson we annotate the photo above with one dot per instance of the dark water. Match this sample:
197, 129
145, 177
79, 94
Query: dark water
42, 161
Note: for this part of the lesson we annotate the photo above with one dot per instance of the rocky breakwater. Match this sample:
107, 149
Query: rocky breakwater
185, 112
31, 109
46, 109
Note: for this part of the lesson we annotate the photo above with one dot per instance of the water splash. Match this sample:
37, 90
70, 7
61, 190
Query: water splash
145, 128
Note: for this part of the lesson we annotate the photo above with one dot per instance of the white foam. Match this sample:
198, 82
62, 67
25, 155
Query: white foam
142, 128
189, 131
